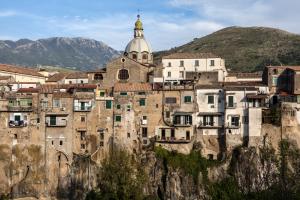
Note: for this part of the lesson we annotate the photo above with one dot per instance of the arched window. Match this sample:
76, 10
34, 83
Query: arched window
98, 77
134, 56
123, 74
145, 56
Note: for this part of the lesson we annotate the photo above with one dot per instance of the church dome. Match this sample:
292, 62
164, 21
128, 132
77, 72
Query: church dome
138, 45
138, 48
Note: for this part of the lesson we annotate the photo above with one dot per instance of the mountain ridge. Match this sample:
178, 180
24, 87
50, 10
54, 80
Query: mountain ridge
77, 52
245, 49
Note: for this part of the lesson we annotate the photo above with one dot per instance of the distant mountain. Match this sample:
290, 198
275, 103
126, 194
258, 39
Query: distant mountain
246, 49
78, 53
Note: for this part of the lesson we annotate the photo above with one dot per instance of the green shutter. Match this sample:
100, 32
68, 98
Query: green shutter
102, 94
187, 99
142, 102
118, 118
108, 104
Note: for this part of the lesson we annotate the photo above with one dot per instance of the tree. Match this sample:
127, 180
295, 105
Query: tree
121, 177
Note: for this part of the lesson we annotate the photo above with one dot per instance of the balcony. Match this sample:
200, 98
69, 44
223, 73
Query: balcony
19, 108
231, 125
17, 124
231, 105
173, 140
209, 125
182, 120
85, 108
56, 121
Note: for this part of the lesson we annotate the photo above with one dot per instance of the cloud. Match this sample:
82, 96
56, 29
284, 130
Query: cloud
7, 13
272, 13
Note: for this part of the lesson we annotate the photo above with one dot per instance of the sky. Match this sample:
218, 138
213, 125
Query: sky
167, 23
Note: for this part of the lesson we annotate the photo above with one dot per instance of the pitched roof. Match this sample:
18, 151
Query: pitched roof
2, 78
190, 56
132, 87
57, 77
77, 75
20, 70
246, 75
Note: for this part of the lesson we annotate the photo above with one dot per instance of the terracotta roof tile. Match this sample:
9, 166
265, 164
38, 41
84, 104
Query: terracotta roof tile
132, 87
19, 70
77, 75
57, 77
190, 56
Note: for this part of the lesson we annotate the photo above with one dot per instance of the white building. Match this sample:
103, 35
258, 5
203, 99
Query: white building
22, 74
210, 114
182, 66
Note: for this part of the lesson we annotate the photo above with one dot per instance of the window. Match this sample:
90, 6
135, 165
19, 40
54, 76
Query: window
230, 102
212, 62
196, 63
82, 146
102, 94
108, 104
210, 99
235, 120
142, 101
181, 63
141, 93
70, 82
101, 136
173, 133
52, 120
45, 95
145, 142
181, 74
187, 99
163, 134
144, 132
56, 103
81, 81
118, 106
170, 100
169, 74
128, 135
60, 143
101, 144
118, 118
167, 114
187, 135
208, 120
123, 74
82, 118
128, 108
134, 56
98, 77
169, 64
82, 135
274, 81
52, 142
145, 56
123, 93
245, 119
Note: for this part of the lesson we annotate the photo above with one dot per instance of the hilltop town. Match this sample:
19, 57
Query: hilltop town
49, 120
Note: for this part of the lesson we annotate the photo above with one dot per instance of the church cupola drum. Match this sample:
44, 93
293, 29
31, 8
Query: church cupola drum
138, 48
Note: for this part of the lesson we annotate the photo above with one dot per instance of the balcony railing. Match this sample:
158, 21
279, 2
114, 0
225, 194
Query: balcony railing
83, 108
230, 105
233, 125
19, 108
209, 125
174, 139
17, 124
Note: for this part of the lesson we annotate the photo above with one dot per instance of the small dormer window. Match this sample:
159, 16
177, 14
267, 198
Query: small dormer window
134, 56
123, 74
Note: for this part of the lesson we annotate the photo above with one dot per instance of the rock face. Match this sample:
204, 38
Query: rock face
80, 53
